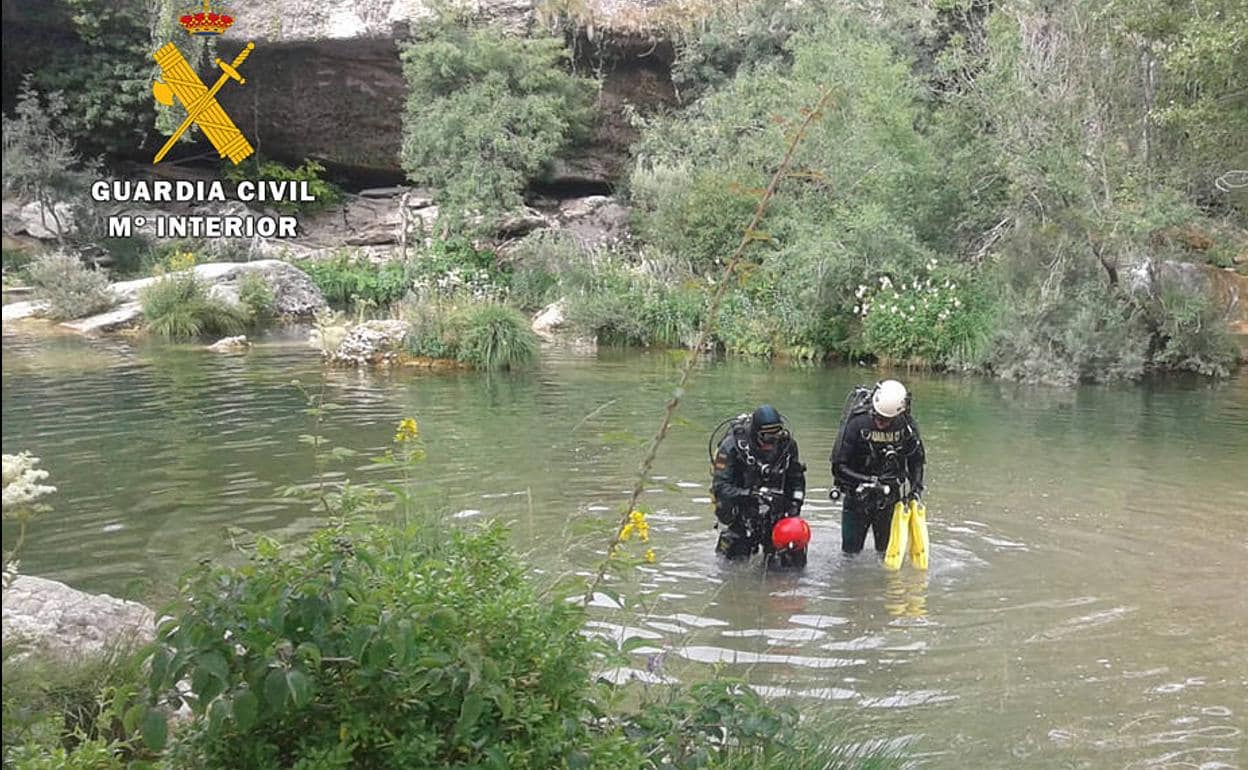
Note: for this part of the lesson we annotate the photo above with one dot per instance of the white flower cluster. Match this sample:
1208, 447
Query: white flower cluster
21, 480
458, 280
922, 293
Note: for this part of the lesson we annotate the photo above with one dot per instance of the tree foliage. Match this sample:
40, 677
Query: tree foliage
485, 113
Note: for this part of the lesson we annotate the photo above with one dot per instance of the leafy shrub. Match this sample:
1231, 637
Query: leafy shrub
177, 306
90, 60
1087, 336
256, 298
939, 316
39, 158
78, 715
485, 112
686, 726
348, 278
1193, 335
496, 337
736, 37
614, 301
327, 194
454, 266
535, 264
16, 261
703, 220
485, 334
380, 648
71, 289
433, 328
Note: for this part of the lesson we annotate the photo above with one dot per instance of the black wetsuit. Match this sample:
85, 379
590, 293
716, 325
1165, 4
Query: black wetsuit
895, 456
739, 471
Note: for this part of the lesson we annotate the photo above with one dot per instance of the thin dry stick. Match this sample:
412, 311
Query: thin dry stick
750, 235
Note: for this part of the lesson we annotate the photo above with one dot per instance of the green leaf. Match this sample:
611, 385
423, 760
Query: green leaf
469, 712
311, 652
214, 664
160, 667
299, 686
130, 720
443, 618
246, 709
275, 690
218, 712
155, 729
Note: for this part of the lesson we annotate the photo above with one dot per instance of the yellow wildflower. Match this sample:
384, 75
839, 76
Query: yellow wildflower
407, 431
650, 557
182, 260
626, 533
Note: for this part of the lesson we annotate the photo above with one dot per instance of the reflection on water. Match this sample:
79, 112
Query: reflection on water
906, 594
1084, 607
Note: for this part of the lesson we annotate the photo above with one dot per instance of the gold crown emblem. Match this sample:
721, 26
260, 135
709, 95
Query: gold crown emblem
206, 22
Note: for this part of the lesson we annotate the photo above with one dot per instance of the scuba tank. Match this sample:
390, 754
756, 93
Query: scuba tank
857, 402
721, 431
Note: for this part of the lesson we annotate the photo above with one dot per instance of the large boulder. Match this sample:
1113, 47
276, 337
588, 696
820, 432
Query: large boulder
596, 220
64, 623
46, 223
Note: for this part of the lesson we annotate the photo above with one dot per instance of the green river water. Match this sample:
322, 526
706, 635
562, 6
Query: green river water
1086, 606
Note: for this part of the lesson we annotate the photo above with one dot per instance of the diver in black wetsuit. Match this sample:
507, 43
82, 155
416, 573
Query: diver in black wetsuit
878, 460
757, 479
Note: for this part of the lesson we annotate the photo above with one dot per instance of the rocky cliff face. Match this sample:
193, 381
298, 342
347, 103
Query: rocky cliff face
325, 80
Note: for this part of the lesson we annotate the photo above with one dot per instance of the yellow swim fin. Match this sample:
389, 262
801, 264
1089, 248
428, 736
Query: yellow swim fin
918, 534
897, 535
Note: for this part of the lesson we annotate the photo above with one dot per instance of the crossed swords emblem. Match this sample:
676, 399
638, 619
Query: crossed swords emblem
202, 107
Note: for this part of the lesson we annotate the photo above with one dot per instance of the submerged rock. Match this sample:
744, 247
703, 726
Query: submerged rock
371, 343
550, 319
230, 344
51, 618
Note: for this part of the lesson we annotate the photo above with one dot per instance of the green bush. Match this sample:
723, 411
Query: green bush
71, 289
1193, 335
485, 112
347, 278
433, 328
455, 266
687, 726
177, 306
379, 648
535, 264
256, 299
619, 305
91, 58
938, 316
698, 215
327, 194
1086, 336
496, 337
76, 715
16, 261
